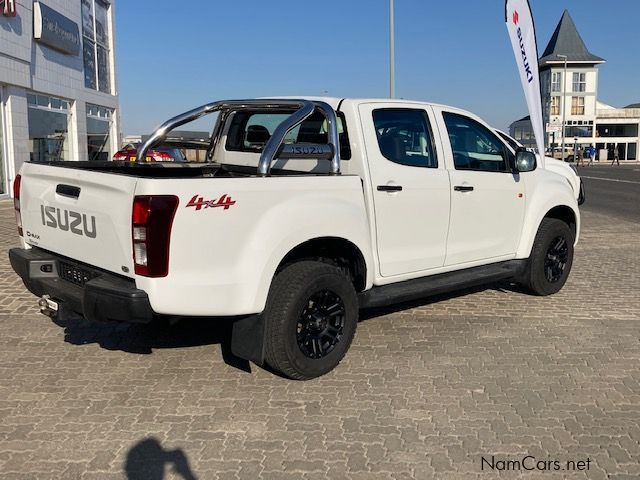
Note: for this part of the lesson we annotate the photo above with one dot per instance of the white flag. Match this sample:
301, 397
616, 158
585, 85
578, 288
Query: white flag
523, 39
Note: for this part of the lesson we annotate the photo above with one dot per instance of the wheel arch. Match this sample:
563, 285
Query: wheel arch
563, 212
335, 251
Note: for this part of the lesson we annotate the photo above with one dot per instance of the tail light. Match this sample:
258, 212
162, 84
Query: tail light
17, 183
161, 157
120, 156
151, 233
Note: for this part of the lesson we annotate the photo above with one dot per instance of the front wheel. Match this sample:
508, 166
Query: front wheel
311, 317
551, 258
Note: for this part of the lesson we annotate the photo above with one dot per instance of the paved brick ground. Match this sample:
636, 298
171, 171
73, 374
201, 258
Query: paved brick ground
425, 391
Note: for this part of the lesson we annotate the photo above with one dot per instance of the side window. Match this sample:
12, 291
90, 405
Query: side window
404, 136
474, 146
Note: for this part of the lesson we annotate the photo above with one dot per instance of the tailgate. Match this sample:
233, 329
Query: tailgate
83, 215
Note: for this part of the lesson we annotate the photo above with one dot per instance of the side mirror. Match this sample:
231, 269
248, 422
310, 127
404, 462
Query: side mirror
525, 161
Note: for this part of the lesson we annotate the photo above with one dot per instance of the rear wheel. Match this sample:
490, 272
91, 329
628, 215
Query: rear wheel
551, 258
311, 317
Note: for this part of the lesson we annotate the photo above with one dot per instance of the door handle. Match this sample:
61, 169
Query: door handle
463, 188
389, 188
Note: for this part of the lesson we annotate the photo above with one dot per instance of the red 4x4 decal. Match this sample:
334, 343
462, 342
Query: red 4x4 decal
198, 202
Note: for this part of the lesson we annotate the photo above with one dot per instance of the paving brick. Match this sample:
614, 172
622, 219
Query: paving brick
427, 388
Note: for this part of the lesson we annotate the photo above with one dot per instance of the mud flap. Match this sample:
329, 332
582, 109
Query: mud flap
248, 339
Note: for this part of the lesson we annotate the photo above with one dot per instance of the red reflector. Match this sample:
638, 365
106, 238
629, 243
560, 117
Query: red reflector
17, 182
153, 213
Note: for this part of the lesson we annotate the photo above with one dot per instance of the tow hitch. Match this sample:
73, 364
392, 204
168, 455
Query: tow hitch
48, 306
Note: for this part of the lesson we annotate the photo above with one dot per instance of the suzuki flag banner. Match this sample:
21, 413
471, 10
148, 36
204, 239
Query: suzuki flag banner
523, 39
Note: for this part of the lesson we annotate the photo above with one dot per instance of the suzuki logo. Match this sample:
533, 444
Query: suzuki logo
515, 17
68, 221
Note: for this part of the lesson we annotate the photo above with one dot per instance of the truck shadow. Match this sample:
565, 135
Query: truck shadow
194, 332
143, 339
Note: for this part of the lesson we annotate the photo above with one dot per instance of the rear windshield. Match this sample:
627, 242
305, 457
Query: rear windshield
250, 130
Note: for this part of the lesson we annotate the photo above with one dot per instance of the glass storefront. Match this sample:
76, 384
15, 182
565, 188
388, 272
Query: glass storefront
48, 119
98, 133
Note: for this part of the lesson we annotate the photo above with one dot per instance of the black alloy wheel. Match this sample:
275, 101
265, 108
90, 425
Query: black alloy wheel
556, 259
310, 317
321, 324
551, 258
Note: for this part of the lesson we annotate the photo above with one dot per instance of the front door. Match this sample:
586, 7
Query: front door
487, 199
410, 188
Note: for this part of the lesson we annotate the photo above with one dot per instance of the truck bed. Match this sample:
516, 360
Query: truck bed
168, 170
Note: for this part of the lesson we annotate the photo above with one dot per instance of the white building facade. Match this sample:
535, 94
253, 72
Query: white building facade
569, 89
58, 90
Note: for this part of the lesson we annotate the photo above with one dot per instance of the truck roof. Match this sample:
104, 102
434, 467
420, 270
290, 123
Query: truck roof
335, 101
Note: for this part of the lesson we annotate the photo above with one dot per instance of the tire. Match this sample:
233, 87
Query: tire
551, 258
311, 317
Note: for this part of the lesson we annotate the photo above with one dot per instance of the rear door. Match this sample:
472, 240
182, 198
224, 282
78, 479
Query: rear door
410, 187
79, 214
487, 199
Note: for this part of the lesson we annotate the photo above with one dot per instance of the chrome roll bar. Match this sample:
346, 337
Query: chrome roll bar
304, 109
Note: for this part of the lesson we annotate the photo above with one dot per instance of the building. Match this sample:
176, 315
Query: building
58, 91
569, 89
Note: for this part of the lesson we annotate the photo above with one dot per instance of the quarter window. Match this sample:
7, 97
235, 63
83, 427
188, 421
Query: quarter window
404, 137
474, 146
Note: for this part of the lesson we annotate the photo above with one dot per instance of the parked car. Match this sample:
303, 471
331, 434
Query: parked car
565, 169
129, 153
309, 211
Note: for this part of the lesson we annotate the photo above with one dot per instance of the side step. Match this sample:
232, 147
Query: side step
435, 284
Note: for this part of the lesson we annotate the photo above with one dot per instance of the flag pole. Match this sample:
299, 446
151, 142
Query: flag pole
392, 53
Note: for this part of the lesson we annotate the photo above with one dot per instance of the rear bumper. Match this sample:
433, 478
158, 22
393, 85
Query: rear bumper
102, 297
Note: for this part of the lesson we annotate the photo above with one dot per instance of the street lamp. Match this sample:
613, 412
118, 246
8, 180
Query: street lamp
392, 53
564, 100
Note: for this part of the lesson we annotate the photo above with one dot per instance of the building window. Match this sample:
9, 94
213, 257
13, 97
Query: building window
577, 105
556, 80
99, 121
617, 130
48, 119
95, 32
577, 131
579, 82
555, 105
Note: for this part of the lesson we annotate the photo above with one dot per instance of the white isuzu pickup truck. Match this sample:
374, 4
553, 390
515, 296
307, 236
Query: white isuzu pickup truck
305, 211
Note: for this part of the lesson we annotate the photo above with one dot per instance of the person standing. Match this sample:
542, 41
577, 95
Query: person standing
616, 157
592, 154
580, 157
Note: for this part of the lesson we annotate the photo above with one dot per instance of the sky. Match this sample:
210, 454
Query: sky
173, 56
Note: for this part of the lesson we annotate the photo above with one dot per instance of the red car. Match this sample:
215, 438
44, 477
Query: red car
159, 154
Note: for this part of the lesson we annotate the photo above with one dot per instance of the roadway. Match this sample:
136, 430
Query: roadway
612, 190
